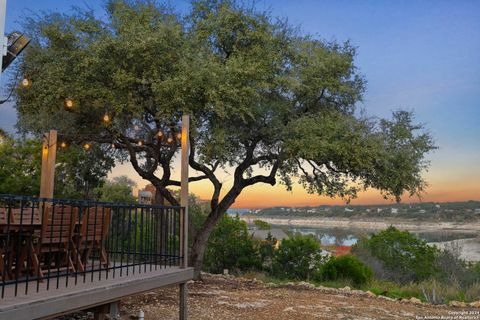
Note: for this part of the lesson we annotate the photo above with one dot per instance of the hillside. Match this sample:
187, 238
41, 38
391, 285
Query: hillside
428, 211
220, 297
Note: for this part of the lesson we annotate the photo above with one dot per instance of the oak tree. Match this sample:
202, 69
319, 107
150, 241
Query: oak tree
268, 103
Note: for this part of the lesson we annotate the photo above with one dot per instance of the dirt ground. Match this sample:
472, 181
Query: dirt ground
220, 297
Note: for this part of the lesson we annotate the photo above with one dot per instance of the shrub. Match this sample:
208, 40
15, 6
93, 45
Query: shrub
346, 267
397, 255
262, 225
266, 249
231, 247
297, 258
452, 269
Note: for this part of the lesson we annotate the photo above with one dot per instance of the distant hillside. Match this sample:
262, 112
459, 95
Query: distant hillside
445, 211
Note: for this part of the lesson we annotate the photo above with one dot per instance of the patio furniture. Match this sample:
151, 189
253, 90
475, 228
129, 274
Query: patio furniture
53, 246
92, 237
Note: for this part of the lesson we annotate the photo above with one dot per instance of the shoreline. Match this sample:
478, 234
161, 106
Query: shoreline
372, 224
467, 249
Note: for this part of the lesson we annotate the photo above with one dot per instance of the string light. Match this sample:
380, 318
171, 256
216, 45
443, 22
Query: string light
106, 118
86, 146
140, 142
68, 104
26, 83
179, 135
136, 128
170, 140
160, 134
63, 144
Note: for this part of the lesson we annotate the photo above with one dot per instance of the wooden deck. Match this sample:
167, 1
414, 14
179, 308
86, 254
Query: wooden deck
45, 303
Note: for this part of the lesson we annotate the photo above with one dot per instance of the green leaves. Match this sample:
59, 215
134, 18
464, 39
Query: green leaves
231, 247
20, 163
117, 190
404, 256
260, 93
297, 257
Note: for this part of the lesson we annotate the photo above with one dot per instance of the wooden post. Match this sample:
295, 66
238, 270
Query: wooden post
184, 218
114, 310
184, 188
49, 155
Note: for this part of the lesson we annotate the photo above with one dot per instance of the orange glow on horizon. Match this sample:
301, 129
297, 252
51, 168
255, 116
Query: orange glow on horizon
446, 185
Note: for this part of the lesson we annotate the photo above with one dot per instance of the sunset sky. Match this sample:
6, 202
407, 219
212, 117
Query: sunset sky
415, 55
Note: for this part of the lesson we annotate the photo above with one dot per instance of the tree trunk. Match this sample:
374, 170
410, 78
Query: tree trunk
200, 243
158, 198
160, 222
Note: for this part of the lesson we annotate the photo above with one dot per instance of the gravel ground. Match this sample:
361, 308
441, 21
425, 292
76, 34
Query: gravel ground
223, 297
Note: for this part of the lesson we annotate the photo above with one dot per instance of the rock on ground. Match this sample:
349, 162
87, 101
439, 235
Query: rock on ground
220, 297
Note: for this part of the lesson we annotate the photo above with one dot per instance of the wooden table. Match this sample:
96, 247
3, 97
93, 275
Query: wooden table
17, 229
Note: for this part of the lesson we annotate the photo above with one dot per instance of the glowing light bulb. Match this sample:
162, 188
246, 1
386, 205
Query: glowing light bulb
63, 144
106, 118
87, 146
160, 134
136, 128
140, 142
26, 83
179, 135
69, 104
170, 140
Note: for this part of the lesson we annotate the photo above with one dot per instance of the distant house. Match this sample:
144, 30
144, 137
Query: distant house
276, 234
145, 197
394, 210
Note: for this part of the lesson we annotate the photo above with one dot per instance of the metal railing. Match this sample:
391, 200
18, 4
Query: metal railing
50, 243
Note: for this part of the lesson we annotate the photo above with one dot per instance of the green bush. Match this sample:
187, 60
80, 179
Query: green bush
398, 256
262, 225
266, 249
231, 247
346, 267
297, 258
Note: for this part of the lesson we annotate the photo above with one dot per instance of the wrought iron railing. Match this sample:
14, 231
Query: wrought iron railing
50, 243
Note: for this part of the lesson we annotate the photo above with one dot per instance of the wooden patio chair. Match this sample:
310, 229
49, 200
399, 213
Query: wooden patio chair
52, 250
92, 237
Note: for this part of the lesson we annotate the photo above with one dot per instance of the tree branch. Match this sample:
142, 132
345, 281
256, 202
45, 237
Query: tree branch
210, 174
191, 179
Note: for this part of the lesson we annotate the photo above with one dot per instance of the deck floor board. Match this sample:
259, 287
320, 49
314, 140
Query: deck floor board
104, 288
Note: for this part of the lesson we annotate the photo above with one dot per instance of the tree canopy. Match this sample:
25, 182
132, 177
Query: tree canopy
119, 189
77, 172
20, 162
268, 103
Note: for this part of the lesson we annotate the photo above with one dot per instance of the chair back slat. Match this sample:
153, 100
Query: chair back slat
3, 216
25, 216
95, 224
58, 224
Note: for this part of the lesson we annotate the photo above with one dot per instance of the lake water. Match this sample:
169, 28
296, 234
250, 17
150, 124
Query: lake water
349, 236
